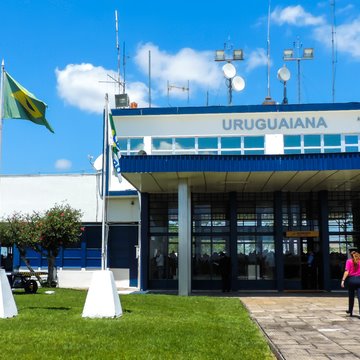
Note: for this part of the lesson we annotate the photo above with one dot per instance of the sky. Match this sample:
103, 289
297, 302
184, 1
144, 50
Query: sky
64, 52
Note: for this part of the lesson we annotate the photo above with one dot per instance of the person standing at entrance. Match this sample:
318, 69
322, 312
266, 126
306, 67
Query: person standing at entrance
225, 271
159, 258
352, 272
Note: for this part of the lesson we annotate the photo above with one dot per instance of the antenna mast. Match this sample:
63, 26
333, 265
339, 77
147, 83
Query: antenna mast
268, 100
117, 48
333, 34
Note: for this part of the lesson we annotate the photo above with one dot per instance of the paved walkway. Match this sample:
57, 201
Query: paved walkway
307, 326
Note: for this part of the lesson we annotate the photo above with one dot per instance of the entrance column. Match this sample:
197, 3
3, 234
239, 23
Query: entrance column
184, 256
324, 238
279, 257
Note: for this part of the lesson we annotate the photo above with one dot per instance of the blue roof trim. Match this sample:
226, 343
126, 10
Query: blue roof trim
123, 193
237, 109
239, 163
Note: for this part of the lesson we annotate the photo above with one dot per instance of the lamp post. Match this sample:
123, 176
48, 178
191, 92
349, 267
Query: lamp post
226, 55
288, 55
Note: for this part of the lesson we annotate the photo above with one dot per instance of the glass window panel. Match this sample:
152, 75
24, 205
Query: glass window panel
254, 152
311, 140
292, 151
332, 140
292, 140
312, 151
231, 152
351, 149
230, 143
253, 142
351, 139
184, 143
208, 143
123, 144
137, 144
332, 150
208, 152
162, 143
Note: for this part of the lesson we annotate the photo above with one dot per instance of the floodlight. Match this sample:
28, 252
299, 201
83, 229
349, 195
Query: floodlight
238, 54
288, 54
219, 55
308, 53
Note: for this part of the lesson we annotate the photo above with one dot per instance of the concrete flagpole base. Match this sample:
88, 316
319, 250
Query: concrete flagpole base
102, 300
7, 303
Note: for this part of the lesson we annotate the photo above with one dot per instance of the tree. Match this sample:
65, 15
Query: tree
58, 227
17, 229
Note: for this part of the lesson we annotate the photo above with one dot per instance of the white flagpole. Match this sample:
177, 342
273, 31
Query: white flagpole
1, 121
1, 105
104, 232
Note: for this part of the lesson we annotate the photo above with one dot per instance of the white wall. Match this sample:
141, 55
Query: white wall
28, 193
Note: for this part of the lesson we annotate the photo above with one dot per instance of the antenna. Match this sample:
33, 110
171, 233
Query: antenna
268, 100
183, 88
149, 78
333, 45
121, 100
117, 48
124, 67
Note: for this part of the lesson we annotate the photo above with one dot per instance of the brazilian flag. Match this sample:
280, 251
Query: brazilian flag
21, 104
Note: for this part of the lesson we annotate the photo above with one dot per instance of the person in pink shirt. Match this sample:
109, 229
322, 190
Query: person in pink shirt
352, 271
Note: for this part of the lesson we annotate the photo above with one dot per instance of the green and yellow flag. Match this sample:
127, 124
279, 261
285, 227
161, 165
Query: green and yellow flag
21, 104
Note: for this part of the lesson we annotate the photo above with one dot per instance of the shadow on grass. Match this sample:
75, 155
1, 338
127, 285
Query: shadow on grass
62, 308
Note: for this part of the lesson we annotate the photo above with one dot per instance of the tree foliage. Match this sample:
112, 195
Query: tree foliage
45, 233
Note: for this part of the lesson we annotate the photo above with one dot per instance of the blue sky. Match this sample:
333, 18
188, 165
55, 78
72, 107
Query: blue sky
61, 50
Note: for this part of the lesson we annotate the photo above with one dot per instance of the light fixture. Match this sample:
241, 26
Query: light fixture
219, 55
308, 53
288, 54
238, 55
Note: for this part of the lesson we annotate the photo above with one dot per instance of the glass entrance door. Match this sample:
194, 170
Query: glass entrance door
301, 263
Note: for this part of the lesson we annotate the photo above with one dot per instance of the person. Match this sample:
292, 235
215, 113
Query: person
225, 271
159, 258
352, 272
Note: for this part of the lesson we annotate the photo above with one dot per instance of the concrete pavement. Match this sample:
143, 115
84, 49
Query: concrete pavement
307, 326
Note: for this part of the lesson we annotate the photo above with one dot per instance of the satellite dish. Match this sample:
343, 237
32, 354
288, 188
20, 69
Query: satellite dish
238, 83
229, 70
98, 163
283, 74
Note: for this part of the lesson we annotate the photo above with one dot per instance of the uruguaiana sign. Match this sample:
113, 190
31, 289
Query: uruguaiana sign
213, 124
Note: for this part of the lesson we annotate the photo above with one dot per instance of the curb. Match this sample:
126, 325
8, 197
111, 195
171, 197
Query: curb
273, 347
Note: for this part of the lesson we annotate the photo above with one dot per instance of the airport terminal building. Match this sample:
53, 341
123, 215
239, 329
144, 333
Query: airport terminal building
274, 187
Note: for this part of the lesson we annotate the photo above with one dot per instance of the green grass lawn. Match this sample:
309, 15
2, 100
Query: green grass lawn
152, 327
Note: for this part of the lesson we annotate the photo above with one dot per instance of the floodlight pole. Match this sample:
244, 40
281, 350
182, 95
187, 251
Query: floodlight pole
222, 56
298, 58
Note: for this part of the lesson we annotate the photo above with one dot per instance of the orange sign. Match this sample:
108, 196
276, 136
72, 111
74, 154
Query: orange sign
302, 234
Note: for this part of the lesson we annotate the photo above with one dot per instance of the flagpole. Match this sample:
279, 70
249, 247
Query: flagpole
104, 232
1, 120
1, 105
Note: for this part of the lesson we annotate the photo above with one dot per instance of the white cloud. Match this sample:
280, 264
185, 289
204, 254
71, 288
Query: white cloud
197, 67
85, 85
296, 16
256, 58
347, 37
63, 164
79, 85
